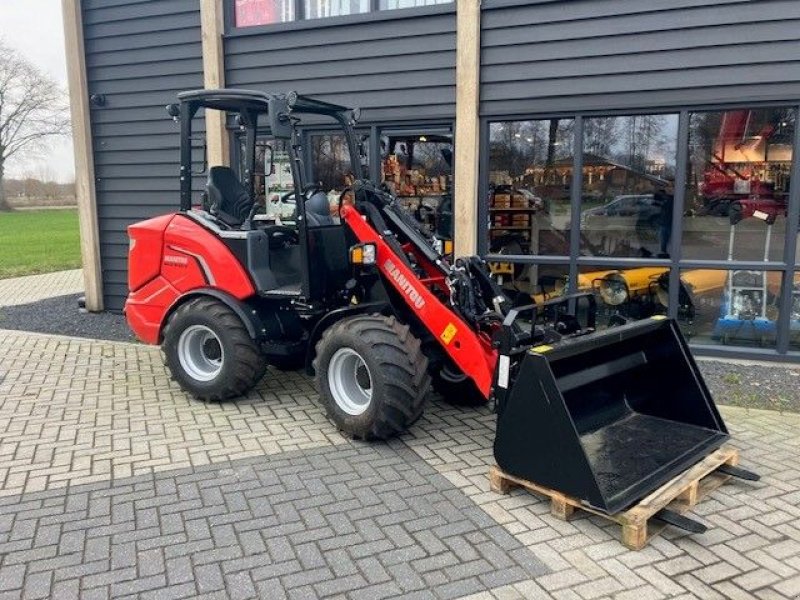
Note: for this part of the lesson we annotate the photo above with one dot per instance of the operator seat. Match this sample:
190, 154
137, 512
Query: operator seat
228, 198
318, 212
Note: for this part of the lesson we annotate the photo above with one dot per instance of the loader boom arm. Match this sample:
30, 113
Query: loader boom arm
471, 351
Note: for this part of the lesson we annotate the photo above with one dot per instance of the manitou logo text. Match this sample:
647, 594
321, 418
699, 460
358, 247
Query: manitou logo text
176, 261
404, 284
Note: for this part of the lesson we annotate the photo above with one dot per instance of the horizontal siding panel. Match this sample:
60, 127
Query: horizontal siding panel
388, 54
393, 69
167, 71
151, 142
110, 12
155, 112
89, 5
367, 84
139, 55
157, 85
752, 56
146, 24
157, 39
144, 56
653, 100
353, 34
572, 11
684, 78
620, 54
633, 43
134, 158
677, 20
163, 127
135, 211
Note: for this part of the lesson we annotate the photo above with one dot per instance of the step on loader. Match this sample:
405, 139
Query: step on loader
378, 311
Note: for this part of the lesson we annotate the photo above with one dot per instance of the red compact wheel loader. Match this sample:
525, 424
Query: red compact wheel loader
372, 305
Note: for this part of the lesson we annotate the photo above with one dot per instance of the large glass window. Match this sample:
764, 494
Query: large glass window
732, 230
628, 185
737, 307
249, 13
315, 9
625, 293
417, 166
530, 182
392, 4
738, 180
794, 323
330, 163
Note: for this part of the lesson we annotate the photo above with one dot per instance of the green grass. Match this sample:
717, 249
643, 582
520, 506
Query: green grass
38, 241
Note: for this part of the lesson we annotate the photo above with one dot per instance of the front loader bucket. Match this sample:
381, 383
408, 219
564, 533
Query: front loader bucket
608, 417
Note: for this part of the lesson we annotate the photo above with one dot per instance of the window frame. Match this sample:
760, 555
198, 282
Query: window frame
675, 263
300, 22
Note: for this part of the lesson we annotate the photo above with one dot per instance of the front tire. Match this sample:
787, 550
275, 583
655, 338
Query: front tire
209, 351
372, 376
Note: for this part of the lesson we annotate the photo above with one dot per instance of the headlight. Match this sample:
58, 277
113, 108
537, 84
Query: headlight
363, 254
613, 289
443, 247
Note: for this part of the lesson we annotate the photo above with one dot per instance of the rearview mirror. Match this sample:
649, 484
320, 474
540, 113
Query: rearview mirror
355, 115
279, 122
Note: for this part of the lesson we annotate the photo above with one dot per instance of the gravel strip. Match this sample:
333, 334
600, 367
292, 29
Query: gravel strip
771, 387
60, 316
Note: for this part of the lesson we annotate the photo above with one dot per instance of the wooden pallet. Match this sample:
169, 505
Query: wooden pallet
679, 495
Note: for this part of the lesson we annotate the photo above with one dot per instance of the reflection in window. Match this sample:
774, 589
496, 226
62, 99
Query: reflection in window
330, 164
627, 293
418, 169
738, 183
248, 13
737, 307
316, 9
392, 4
794, 325
530, 172
628, 177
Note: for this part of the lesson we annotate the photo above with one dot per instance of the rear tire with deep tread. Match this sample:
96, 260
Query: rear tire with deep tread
398, 372
243, 365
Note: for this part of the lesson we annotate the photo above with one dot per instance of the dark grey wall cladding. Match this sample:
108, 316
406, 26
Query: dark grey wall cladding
552, 56
400, 66
139, 54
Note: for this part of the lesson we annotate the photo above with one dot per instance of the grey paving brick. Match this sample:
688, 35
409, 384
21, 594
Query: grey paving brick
357, 504
208, 578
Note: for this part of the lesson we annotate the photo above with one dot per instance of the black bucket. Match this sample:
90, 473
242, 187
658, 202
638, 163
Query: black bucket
608, 417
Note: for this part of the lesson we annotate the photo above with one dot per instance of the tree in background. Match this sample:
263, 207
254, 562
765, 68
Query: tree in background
33, 108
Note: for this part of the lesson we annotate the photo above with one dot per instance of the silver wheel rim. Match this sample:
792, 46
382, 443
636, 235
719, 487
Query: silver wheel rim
350, 381
200, 353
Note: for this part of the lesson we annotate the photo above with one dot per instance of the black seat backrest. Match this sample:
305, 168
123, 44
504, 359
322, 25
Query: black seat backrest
228, 198
318, 212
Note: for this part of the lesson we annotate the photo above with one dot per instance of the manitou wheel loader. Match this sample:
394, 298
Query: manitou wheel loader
375, 308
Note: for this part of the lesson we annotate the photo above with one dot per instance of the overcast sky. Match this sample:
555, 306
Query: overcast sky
35, 29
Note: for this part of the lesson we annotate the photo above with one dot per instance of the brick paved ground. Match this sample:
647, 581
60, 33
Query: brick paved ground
22, 290
114, 483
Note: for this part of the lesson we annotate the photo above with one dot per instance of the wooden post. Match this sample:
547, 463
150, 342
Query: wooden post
467, 142
85, 191
212, 28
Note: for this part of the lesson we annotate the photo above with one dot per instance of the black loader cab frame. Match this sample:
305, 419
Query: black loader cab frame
279, 258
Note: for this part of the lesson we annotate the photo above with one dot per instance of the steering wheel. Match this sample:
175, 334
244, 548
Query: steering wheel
281, 236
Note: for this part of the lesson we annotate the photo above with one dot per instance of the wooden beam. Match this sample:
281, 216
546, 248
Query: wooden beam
85, 191
212, 29
467, 150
